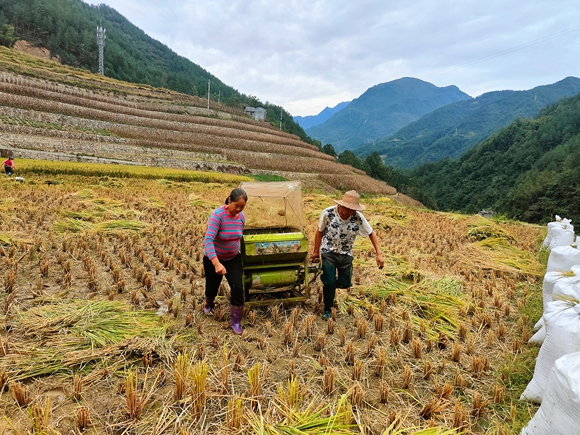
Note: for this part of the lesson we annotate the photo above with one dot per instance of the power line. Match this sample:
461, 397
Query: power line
507, 51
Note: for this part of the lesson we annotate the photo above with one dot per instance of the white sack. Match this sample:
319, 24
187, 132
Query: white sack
539, 324
550, 279
560, 233
557, 280
555, 283
568, 288
562, 258
538, 337
558, 414
562, 324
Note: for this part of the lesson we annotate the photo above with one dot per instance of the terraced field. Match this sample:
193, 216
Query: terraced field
54, 112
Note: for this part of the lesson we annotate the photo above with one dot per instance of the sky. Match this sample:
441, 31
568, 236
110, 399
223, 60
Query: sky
305, 55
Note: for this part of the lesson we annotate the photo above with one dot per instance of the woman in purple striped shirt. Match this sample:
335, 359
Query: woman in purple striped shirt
221, 248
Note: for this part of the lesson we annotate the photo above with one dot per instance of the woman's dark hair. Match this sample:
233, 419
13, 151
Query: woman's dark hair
236, 194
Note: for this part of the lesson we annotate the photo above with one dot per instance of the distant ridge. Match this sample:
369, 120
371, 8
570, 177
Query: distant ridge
453, 129
382, 110
312, 120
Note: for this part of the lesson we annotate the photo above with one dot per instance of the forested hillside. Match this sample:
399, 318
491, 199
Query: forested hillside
451, 130
68, 29
530, 170
382, 110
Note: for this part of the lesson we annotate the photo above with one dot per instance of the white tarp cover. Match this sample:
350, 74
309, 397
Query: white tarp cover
276, 204
559, 413
562, 324
560, 233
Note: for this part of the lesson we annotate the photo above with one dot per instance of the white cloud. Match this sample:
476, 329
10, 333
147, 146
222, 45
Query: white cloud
305, 55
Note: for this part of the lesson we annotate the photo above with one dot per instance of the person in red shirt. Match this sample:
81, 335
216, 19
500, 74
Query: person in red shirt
9, 166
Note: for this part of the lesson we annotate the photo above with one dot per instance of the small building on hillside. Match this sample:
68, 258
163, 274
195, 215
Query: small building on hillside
486, 213
258, 113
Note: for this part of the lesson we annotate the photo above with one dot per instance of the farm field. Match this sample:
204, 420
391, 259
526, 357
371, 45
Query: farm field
53, 112
101, 290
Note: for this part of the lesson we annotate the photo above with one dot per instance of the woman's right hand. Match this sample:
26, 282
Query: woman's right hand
220, 269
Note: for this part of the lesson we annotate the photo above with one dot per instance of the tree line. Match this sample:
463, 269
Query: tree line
374, 167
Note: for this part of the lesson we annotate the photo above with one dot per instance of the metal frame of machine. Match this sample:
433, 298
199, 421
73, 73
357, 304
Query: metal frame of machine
274, 244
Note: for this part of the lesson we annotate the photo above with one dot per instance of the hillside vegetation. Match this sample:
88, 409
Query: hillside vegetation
52, 111
452, 129
68, 29
530, 170
382, 110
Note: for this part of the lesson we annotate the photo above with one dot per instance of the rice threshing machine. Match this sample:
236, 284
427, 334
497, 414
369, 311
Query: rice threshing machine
274, 244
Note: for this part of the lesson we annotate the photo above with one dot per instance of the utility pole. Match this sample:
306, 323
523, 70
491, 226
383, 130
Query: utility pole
208, 89
280, 119
101, 43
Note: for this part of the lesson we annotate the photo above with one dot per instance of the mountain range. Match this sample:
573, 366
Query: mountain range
312, 120
382, 110
451, 130
529, 170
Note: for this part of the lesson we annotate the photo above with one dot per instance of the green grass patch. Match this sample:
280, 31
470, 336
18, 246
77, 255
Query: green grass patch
534, 306
543, 255
268, 177
517, 369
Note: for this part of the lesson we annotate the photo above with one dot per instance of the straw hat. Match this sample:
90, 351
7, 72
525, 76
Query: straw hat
351, 200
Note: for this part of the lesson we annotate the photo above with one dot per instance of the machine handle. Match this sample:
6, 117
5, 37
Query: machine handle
314, 268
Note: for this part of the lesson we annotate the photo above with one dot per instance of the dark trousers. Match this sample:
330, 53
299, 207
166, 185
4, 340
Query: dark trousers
235, 270
8, 170
331, 265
